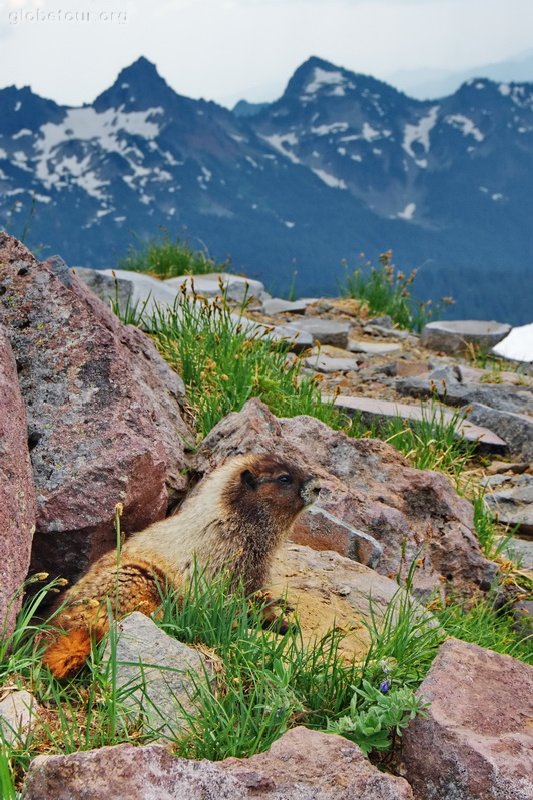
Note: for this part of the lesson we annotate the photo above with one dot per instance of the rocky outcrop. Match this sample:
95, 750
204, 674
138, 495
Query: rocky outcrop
476, 741
104, 421
17, 494
368, 485
301, 765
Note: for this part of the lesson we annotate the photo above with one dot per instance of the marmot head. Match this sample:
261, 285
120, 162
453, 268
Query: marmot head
265, 486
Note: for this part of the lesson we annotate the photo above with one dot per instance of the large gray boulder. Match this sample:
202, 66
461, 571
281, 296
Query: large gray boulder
103, 411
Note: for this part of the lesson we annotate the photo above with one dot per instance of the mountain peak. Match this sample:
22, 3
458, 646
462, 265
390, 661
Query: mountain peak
137, 86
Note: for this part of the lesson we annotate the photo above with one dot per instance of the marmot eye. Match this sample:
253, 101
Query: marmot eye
285, 479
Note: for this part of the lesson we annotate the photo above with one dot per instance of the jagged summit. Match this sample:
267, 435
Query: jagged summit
137, 86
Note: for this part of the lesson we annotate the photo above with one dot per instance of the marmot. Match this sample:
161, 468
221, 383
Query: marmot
235, 519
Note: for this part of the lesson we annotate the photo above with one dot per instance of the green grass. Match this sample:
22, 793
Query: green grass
223, 364
386, 290
168, 258
264, 683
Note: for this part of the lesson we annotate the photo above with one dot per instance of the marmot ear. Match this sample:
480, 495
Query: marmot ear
248, 478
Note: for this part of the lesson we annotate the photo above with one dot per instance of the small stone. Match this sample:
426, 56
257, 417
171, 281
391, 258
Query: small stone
408, 369
384, 321
499, 467
278, 306
454, 336
389, 333
327, 364
373, 348
325, 331
157, 673
18, 710
513, 502
521, 550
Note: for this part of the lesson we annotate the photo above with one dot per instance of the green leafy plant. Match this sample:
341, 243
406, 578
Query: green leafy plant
386, 290
376, 717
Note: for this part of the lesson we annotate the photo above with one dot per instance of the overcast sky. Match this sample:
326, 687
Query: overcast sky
223, 50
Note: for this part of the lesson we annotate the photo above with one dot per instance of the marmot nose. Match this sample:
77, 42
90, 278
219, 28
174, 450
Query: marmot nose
310, 491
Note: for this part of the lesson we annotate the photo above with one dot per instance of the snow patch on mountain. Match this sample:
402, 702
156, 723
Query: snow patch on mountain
322, 77
330, 180
335, 127
278, 142
408, 211
107, 128
465, 125
420, 134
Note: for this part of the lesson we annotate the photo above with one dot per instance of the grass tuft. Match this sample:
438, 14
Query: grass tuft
168, 258
223, 363
386, 290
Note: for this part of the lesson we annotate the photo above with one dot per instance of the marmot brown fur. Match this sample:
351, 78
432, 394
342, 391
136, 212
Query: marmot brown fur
234, 520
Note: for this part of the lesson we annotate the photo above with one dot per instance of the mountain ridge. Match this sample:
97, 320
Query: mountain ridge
340, 163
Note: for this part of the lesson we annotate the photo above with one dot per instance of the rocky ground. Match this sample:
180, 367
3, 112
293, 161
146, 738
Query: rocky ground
95, 415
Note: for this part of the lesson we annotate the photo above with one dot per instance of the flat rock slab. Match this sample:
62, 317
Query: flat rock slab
278, 306
234, 287
384, 409
156, 674
516, 429
469, 374
511, 499
517, 345
18, 509
454, 336
325, 331
476, 742
301, 765
146, 292
444, 382
321, 362
103, 409
373, 348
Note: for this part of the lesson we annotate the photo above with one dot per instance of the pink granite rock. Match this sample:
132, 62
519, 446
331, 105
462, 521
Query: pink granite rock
103, 415
301, 765
477, 741
17, 495
369, 486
